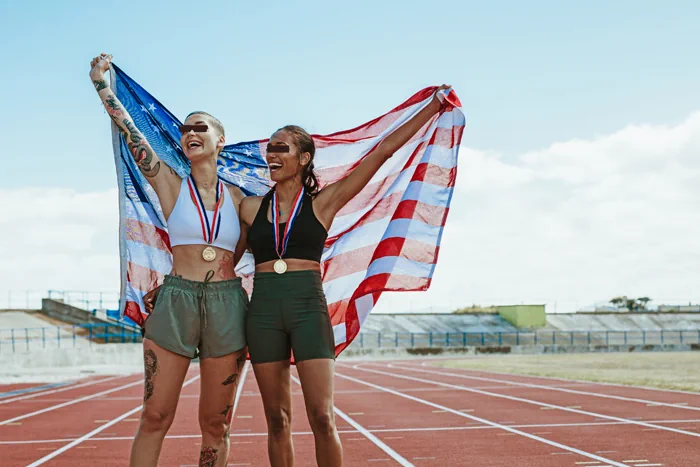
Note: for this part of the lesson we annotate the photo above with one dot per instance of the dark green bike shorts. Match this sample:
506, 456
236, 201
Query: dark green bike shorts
288, 312
199, 319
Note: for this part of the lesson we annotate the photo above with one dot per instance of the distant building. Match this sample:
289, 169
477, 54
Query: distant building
679, 308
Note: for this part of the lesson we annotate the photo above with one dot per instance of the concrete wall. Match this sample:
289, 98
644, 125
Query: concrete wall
69, 314
72, 315
524, 316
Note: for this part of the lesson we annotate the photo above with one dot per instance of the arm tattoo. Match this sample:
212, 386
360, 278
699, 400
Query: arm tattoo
99, 84
113, 104
141, 151
151, 362
150, 173
208, 457
230, 380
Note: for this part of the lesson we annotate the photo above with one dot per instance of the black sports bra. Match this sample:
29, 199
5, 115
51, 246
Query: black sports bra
306, 239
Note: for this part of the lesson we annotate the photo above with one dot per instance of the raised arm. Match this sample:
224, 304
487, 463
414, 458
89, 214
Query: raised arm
163, 181
336, 195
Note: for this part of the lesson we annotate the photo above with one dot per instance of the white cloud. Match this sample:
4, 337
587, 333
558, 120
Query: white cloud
58, 239
577, 222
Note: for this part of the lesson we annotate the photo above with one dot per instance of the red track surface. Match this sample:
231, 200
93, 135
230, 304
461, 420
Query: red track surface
404, 413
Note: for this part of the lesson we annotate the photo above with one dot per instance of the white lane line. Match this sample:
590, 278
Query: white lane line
484, 421
61, 389
60, 451
550, 388
528, 401
394, 455
578, 381
72, 402
473, 426
239, 390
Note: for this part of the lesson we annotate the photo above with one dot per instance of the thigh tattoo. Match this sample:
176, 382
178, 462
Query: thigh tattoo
151, 362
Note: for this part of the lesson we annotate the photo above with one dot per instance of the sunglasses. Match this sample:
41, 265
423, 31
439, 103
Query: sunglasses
282, 148
201, 128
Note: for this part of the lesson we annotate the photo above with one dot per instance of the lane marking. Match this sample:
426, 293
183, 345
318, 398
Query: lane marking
64, 388
394, 455
484, 421
579, 381
72, 402
97, 430
31, 389
682, 405
473, 426
529, 401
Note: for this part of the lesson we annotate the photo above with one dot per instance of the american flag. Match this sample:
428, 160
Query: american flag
385, 239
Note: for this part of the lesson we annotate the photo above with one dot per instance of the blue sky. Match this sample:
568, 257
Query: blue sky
528, 73
578, 169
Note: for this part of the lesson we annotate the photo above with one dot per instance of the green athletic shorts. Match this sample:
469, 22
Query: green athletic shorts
288, 312
199, 319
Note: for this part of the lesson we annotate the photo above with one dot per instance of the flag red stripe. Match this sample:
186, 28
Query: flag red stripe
133, 311
141, 278
359, 259
147, 234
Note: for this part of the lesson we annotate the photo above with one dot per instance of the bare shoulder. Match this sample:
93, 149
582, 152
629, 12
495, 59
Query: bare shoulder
249, 208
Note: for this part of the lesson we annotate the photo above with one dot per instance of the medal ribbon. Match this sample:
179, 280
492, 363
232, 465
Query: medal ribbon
209, 232
296, 209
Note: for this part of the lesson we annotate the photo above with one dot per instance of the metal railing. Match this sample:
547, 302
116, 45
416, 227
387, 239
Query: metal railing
57, 337
86, 335
31, 299
543, 337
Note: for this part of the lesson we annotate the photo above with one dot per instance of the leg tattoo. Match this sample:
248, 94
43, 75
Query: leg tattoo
151, 363
208, 457
230, 380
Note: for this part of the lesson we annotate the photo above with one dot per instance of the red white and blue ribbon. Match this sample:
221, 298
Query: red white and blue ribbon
209, 232
296, 209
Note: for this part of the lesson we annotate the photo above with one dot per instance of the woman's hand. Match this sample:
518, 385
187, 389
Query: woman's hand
99, 66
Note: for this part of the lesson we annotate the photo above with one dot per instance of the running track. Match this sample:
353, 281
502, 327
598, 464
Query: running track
388, 413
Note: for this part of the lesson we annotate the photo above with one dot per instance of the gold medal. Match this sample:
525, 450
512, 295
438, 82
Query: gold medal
280, 266
209, 254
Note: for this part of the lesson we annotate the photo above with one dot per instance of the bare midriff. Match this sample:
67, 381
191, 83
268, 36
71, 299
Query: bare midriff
189, 264
292, 265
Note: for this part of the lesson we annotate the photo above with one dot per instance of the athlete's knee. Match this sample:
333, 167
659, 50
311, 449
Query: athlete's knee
279, 422
322, 421
214, 427
154, 420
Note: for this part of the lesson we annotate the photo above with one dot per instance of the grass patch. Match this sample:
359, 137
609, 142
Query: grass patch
665, 370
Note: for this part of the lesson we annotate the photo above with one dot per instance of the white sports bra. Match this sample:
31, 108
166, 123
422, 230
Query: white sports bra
185, 227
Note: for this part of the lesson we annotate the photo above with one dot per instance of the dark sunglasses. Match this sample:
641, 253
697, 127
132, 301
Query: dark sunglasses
201, 128
277, 148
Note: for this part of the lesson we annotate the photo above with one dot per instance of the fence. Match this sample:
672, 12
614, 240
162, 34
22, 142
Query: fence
31, 299
486, 339
85, 335
27, 339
